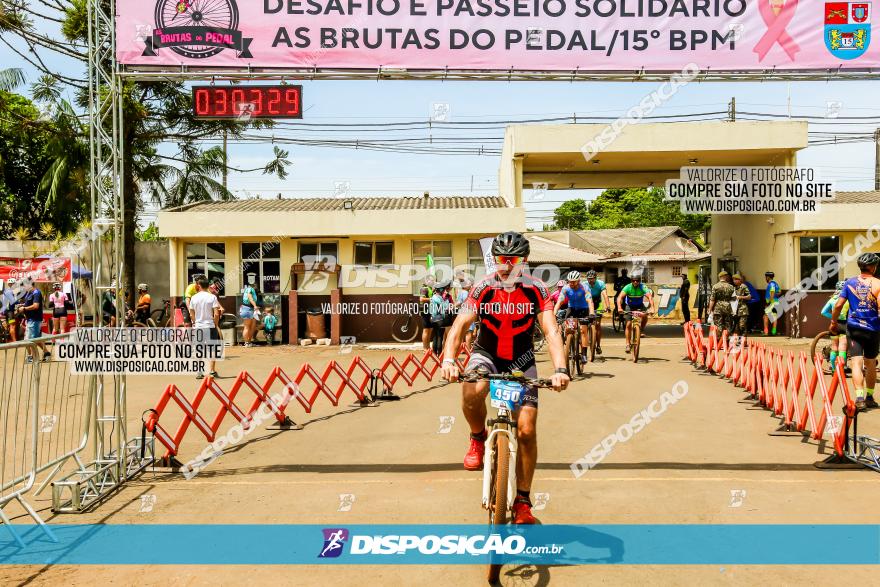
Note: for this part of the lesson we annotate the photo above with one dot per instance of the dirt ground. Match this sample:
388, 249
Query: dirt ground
684, 468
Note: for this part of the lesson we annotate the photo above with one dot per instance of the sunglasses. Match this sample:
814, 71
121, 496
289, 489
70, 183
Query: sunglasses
509, 260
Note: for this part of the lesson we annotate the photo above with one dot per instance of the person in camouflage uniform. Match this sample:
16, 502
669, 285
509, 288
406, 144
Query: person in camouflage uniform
719, 303
742, 295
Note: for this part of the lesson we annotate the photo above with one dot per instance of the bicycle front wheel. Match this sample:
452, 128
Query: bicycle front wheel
498, 492
637, 340
591, 340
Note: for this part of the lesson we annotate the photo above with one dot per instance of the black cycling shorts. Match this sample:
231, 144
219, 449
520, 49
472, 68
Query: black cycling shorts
863, 343
578, 312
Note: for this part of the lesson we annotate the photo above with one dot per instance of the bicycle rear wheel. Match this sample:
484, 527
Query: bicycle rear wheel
615, 322
591, 339
538, 339
405, 328
498, 493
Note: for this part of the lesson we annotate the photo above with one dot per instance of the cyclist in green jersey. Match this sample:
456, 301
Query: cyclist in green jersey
838, 339
632, 298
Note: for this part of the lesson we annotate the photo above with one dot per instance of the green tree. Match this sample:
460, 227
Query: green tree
628, 208
153, 113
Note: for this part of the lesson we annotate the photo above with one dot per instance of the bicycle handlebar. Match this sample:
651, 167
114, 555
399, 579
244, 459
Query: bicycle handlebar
475, 376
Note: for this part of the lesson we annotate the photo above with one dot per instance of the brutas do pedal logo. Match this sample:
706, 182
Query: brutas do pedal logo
197, 29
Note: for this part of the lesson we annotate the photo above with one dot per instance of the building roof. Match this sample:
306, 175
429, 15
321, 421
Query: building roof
544, 250
659, 257
629, 241
864, 197
334, 204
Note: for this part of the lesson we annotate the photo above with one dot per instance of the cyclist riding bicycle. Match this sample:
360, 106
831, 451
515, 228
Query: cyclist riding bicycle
142, 312
632, 299
507, 305
600, 302
580, 305
862, 326
554, 297
838, 339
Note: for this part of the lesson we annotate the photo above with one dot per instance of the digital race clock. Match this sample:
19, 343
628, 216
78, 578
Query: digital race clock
246, 102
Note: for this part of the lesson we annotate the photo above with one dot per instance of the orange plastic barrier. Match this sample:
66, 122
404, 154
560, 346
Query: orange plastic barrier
779, 381
356, 377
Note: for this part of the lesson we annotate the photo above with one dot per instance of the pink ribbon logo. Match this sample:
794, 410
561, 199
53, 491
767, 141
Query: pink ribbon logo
776, 25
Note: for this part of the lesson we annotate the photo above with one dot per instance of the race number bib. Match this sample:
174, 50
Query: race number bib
505, 394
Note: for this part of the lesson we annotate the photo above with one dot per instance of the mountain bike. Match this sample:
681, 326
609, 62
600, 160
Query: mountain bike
618, 321
538, 338
506, 391
571, 337
161, 316
821, 343
635, 338
593, 325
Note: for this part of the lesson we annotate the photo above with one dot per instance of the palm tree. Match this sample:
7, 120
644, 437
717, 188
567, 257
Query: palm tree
11, 78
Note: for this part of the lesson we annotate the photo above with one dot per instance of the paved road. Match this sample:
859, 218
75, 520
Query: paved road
682, 468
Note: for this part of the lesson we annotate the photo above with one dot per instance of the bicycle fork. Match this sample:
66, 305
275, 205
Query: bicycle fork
507, 431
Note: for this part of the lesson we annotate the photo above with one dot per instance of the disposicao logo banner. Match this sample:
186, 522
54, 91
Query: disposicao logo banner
549, 35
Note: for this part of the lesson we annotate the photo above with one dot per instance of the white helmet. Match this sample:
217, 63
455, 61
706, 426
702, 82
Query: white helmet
573, 276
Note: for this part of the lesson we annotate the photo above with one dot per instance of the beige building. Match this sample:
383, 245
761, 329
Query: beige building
793, 246
307, 253
301, 252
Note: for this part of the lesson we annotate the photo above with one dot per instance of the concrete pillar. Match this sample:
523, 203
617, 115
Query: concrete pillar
335, 317
292, 317
518, 181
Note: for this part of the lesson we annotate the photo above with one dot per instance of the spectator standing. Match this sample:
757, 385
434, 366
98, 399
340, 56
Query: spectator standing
704, 291
442, 308
754, 305
720, 310
621, 282
205, 314
684, 294
771, 301
462, 297
270, 323
108, 305
59, 302
32, 309
246, 313
7, 308
740, 305
191, 290
144, 303
426, 292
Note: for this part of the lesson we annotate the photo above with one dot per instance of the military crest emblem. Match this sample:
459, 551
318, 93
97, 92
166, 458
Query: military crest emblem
847, 28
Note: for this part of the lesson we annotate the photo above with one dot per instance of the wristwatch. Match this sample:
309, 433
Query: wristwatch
562, 370
449, 361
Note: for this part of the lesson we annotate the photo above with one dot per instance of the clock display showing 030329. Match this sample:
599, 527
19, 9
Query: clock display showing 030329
278, 101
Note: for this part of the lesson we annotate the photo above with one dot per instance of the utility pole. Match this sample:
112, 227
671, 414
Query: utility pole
225, 160
877, 159
731, 110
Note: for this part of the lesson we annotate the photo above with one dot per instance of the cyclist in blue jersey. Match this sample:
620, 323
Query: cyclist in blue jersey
600, 302
580, 305
862, 326
632, 298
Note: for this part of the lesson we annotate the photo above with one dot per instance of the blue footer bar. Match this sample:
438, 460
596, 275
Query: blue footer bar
433, 544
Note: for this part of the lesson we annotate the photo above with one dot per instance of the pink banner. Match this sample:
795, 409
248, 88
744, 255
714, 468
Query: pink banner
521, 35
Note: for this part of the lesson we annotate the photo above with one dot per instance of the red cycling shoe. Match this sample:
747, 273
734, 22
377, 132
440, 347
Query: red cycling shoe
522, 512
473, 460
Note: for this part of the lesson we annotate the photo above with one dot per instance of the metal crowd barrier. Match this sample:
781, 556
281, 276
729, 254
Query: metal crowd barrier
44, 421
48, 423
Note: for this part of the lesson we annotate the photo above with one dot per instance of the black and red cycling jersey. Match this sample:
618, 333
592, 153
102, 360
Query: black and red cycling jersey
507, 318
